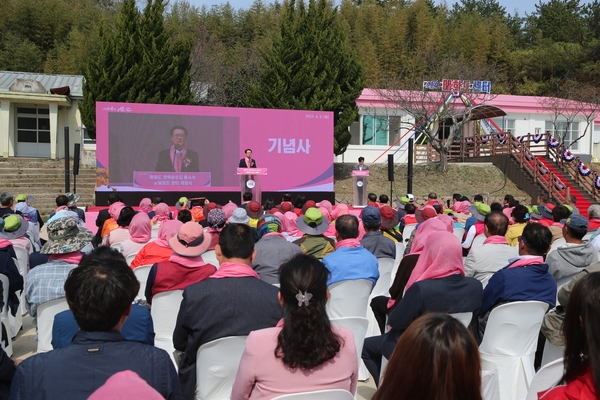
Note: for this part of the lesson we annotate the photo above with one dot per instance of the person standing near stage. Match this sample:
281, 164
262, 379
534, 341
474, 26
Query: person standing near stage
178, 158
361, 165
248, 161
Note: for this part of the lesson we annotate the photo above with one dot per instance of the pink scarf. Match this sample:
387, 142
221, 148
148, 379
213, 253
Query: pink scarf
325, 213
177, 160
441, 257
72, 258
115, 209
5, 243
234, 270
326, 204
448, 221
145, 205
289, 224
228, 209
167, 230
190, 262
139, 228
461, 207
162, 213
523, 262
423, 231
347, 243
341, 209
495, 239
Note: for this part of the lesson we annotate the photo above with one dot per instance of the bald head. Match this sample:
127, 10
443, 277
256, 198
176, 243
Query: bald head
496, 224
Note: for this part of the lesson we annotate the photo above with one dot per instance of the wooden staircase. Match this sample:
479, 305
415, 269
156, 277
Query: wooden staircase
44, 179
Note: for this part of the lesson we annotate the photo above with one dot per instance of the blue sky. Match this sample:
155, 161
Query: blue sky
522, 6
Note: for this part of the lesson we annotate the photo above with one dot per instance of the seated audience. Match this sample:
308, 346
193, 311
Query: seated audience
7, 201
140, 233
304, 352
440, 344
215, 223
483, 261
581, 330
122, 232
14, 229
568, 260
145, 205
526, 277
437, 284
239, 216
255, 211
185, 266
389, 221
103, 216
110, 224
184, 216
158, 250
126, 385
99, 293
553, 320
594, 217
520, 216
162, 213
232, 302
299, 204
272, 249
350, 261
313, 242
373, 240
479, 211
46, 282
559, 213
15, 279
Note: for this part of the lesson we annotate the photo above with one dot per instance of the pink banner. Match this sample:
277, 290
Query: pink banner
360, 173
295, 146
252, 171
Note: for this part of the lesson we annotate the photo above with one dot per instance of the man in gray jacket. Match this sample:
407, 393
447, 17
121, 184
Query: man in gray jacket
576, 254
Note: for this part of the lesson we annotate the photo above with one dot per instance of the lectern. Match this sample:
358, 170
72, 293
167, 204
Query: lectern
250, 182
359, 182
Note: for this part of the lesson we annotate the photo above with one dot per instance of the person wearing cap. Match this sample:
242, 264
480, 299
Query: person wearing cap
46, 282
14, 230
6, 203
525, 278
576, 254
313, 226
69, 200
210, 205
479, 211
389, 221
374, 240
215, 221
30, 212
100, 293
185, 266
272, 249
159, 249
254, 211
471, 220
231, 302
350, 260
544, 214
483, 261
197, 208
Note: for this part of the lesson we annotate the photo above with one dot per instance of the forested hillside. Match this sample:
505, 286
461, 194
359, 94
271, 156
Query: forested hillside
393, 41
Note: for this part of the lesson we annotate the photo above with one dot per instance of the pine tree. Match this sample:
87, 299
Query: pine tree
138, 63
310, 67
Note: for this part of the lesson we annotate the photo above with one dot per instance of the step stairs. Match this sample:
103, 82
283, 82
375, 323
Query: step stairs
44, 179
584, 200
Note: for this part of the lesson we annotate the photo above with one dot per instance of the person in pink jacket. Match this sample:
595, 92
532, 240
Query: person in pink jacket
283, 360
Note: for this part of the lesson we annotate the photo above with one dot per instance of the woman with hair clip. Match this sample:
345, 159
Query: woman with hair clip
581, 330
304, 352
436, 358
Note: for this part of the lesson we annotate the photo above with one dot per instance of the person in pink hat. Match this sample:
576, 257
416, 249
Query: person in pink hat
185, 266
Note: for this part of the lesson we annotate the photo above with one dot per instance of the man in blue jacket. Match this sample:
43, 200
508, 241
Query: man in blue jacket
99, 293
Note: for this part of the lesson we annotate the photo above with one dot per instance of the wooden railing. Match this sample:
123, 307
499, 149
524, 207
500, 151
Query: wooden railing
524, 150
572, 167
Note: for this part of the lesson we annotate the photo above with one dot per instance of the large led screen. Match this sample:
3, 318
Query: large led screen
155, 147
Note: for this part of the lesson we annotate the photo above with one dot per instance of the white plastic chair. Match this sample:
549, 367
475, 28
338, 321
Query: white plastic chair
459, 233
45, 321
349, 298
165, 307
359, 327
546, 378
13, 323
217, 364
211, 258
330, 394
5, 314
130, 258
381, 288
552, 353
116, 246
464, 317
557, 243
408, 229
23, 259
141, 273
509, 345
489, 386
478, 241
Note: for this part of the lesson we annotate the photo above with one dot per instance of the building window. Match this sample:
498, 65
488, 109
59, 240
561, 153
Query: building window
375, 130
565, 132
505, 124
33, 125
86, 136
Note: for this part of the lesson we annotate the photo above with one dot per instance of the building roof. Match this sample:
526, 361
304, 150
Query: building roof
74, 82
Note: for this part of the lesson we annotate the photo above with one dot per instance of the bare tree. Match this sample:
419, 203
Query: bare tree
574, 102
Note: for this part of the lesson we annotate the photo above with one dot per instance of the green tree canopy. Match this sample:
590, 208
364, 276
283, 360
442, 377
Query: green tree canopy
310, 66
138, 62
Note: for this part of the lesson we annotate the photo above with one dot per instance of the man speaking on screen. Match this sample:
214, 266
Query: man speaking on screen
178, 158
